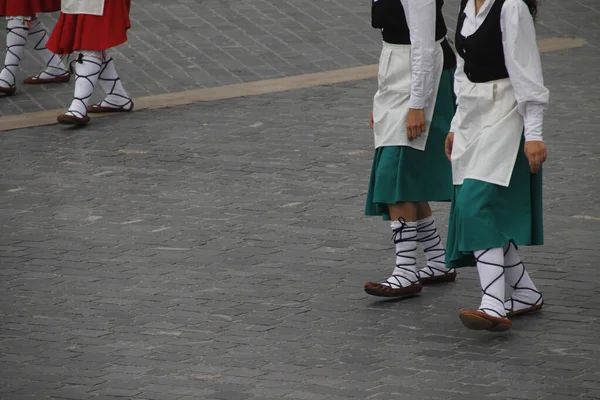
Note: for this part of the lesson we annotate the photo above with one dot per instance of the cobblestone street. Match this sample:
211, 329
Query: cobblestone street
218, 250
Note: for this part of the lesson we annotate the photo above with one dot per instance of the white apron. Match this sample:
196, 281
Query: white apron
488, 134
390, 104
91, 7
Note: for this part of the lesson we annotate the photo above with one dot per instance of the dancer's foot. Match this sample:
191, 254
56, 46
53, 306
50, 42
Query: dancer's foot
389, 289
47, 78
16, 37
117, 99
515, 307
430, 275
431, 243
480, 320
524, 298
8, 90
73, 118
87, 68
105, 107
405, 278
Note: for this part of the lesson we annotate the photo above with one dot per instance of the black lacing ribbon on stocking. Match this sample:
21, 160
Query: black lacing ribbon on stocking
484, 290
80, 60
516, 286
409, 261
11, 31
39, 46
430, 232
111, 93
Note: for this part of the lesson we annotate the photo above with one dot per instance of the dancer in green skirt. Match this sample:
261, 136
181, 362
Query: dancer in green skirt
412, 111
496, 148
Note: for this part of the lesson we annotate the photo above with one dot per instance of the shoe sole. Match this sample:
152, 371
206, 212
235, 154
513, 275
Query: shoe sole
439, 279
477, 323
45, 81
525, 311
96, 109
71, 122
377, 293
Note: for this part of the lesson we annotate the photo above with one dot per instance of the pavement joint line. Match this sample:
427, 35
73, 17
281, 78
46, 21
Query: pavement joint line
167, 100
586, 217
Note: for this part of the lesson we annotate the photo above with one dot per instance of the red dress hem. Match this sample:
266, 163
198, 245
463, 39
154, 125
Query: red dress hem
27, 8
78, 32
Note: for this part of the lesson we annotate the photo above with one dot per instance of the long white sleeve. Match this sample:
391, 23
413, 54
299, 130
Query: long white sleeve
421, 19
459, 77
524, 66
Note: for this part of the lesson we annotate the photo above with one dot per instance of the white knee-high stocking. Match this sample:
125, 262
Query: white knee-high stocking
54, 65
405, 238
490, 266
116, 96
522, 292
17, 30
87, 70
431, 243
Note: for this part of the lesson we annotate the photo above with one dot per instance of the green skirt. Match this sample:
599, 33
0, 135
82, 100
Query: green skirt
485, 216
404, 174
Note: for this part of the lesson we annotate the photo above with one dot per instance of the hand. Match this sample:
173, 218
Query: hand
449, 144
371, 123
536, 154
415, 123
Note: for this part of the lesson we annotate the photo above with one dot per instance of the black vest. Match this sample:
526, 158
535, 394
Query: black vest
388, 15
482, 52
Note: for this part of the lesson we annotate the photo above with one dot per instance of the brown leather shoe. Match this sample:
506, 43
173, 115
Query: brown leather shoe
449, 276
479, 320
377, 289
67, 119
529, 310
34, 80
98, 108
8, 91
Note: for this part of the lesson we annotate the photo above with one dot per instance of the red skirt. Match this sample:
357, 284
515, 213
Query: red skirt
27, 8
76, 32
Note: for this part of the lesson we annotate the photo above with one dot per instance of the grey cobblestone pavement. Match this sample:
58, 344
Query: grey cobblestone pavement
217, 251
179, 45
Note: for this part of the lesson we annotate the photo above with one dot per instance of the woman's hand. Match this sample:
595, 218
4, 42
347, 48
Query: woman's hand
536, 154
371, 123
415, 123
449, 144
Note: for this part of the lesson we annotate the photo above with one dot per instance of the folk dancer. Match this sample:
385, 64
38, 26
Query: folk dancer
412, 110
497, 151
23, 26
90, 28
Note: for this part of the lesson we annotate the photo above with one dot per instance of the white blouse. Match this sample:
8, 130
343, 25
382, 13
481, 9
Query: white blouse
420, 16
522, 61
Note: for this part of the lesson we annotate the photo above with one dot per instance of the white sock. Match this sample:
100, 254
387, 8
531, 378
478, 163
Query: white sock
431, 242
522, 291
87, 70
110, 82
54, 65
17, 29
405, 238
490, 266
